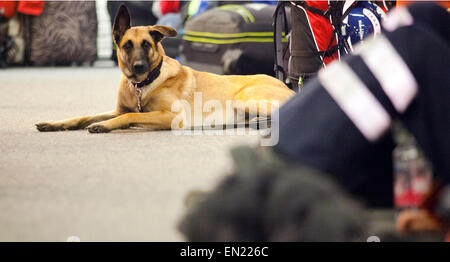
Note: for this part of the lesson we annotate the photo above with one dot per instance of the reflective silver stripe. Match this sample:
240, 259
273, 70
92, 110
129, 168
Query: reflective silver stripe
357, 102
390, 70
396, 18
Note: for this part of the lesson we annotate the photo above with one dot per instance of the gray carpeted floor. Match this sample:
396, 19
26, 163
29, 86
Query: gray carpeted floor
120, 186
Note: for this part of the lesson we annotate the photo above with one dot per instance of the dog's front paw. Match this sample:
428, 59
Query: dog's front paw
47, 127
97, 129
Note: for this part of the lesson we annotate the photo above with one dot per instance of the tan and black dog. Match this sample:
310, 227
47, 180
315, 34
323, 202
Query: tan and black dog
152, 82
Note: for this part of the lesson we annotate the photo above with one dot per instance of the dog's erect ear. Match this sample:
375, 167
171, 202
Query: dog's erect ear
121, 23
158, 32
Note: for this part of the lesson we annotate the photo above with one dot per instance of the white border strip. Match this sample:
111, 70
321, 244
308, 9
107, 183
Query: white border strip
357, 102
396, 18
390, 70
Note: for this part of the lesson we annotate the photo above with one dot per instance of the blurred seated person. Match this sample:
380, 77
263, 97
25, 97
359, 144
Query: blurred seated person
340, 127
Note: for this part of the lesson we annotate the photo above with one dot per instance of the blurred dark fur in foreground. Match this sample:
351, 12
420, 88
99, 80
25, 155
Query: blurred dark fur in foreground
267, 200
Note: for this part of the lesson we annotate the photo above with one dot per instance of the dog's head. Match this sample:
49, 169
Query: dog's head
139, 48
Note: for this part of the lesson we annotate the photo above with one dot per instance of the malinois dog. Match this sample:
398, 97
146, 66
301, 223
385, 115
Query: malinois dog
152, 82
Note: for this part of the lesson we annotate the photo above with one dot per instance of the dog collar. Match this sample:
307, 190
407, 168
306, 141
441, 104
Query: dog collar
151, 76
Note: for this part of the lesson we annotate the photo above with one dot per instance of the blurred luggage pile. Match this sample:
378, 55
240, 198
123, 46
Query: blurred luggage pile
51, 33
231, 39
62, 33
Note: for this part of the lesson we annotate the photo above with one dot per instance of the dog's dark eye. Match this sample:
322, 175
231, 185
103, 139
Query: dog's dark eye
146, 44
127, 46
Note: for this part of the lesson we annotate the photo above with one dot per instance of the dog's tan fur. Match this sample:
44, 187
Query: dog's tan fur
175, 82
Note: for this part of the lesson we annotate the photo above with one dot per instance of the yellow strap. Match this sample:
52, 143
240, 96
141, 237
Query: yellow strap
193, 7
229, 41
248, 17
231, 35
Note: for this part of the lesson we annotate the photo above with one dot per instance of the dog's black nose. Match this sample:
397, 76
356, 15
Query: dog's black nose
139, 69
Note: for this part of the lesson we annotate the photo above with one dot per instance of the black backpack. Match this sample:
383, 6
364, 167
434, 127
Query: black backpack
299, 59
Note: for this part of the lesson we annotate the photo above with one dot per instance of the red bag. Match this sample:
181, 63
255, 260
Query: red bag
7, 9
30, 7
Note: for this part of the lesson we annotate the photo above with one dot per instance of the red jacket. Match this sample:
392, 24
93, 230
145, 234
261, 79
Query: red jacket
7, 8
169, 7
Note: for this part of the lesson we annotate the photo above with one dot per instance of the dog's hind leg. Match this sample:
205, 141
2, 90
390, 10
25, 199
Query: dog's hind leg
255, 104
154, 120
261, 100
75, 123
